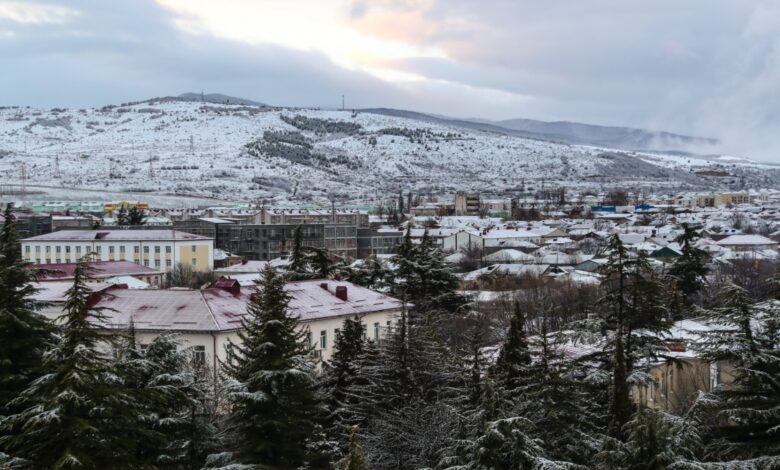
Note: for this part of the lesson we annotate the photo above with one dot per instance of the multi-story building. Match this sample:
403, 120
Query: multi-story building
311, 216
467, 203
381, 241
159, 249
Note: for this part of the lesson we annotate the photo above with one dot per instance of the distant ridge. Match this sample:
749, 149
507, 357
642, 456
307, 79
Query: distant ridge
220, 99
623, 138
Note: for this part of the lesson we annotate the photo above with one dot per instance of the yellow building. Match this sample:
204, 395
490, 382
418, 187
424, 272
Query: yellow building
158, 249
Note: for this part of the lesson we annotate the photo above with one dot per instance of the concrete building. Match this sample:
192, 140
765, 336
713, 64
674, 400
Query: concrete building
158, 249
467, 203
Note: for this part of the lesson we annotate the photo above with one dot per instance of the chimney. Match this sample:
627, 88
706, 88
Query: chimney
324, 285
341, 292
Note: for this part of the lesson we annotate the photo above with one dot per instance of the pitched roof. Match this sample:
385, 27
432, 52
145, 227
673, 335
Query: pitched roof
116, 235
102, 269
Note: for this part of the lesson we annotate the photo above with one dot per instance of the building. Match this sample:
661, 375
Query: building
467, 203
381, 241
208, 319
748, 243
158, 249
101, 271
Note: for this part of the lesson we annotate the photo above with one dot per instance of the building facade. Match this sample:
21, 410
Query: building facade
158, 249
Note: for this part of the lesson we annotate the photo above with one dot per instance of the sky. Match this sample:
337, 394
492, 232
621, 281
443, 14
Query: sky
701, 67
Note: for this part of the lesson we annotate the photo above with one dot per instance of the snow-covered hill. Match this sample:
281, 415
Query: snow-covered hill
244, 153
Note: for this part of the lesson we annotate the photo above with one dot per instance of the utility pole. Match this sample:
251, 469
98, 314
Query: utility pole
342, 102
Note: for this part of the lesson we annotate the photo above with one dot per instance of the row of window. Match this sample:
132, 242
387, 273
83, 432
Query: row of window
99, 249
323, 341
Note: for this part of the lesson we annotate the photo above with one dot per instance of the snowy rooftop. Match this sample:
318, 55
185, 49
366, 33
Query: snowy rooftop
116, 235
100, 269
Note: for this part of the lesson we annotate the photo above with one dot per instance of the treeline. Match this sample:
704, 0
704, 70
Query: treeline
447, 385
322, 126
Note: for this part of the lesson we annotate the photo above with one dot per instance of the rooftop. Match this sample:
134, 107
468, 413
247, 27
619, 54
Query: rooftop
116, 235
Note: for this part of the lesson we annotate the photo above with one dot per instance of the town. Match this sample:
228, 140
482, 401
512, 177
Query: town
489, 278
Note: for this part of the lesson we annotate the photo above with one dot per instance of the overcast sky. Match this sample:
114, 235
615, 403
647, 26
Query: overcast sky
702, 67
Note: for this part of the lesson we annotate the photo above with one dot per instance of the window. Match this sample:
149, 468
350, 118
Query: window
193, 248
157, 250
27, 250
168, 250
78, 250
157, 263
111, 249
99, 250
194, 261
336, 334
67, 249
58, 249
136, 250
146, 263
168, 263
323, 339
146, 250
308, 338
199, 354
37, 250
376, 331
122, 249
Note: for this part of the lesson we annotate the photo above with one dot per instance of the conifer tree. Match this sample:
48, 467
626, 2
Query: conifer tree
298, 261
746, 338
25, 335
135, 216
355, 460
690, 269
514, 358
121, 216
78, 414
340, 374
275, 402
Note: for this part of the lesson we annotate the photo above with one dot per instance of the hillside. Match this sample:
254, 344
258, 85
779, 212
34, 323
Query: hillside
238, 152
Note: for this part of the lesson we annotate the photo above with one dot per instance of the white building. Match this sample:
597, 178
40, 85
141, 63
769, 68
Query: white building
159, 249
208, 319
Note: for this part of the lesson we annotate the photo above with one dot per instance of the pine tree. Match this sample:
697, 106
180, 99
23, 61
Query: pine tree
298, 260
690, 269
25, 335
121, 216
78, 414
514, 358
341, 374
746, 338
634, 319
354, 459
275, 402
135, 216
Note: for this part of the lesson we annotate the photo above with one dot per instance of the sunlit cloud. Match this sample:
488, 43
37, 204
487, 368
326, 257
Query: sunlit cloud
32, 13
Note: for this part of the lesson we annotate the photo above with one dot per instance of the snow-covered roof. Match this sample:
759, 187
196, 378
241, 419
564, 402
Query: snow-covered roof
734, 240
116, 235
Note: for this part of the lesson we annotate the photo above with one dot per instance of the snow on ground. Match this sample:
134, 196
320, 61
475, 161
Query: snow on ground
174, 148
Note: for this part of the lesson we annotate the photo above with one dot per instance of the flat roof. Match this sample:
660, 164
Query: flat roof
116, 235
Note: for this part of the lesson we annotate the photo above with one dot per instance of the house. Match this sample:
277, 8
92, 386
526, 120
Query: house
748, 243
208, 319
508, 255
158, 249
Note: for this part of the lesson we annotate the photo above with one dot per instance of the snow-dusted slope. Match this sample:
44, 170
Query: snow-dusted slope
181, 147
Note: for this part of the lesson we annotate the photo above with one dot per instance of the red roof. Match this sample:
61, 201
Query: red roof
102, 269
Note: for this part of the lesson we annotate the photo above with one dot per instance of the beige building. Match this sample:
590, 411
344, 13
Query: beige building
467, 203
158, 249
209, 319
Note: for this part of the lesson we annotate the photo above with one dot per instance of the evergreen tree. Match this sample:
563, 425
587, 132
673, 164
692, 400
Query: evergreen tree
135, 216
371, 273
24, 334
690, 269
275, 403
298, 261
746, 338
400, 203
340, 374
634, 320
406, 398
514, 358
121, 215
78, 414
355, 460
